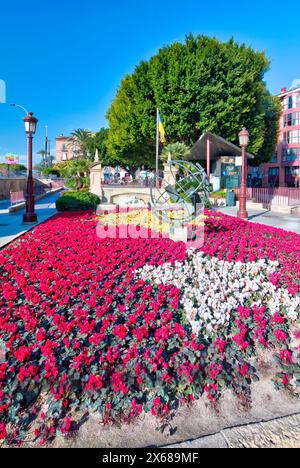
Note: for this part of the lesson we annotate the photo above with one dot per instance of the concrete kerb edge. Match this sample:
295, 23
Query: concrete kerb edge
228, 429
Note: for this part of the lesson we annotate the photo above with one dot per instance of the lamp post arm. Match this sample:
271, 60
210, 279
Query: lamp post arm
20, 107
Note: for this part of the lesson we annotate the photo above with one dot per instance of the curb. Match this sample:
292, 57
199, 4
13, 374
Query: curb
281, 432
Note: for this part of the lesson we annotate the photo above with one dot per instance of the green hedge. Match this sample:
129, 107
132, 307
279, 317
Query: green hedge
76, 201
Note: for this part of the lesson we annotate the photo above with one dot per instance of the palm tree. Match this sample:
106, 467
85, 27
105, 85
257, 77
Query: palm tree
42, 153
82, 137
175, 151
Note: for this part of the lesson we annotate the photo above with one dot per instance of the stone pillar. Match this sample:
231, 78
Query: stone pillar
170, 175
96, 178
282, 177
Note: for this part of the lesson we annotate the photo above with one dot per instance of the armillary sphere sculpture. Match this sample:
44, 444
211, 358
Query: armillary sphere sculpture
175, 199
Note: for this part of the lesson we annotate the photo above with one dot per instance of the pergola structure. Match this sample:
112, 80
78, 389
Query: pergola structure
211, 147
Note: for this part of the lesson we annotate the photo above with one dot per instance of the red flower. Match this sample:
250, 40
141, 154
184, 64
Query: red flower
94, 383
280, 336
2, 431
23, 354
41, 335
140, 333
243, 370
120, 331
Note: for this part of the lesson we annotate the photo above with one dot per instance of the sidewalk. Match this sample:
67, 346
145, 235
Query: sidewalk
270, 218
11, 225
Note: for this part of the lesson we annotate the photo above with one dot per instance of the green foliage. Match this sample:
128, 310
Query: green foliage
76, 201
76, 172
78, 183
72, 184
99, 141
220, 194
201, 85
51, 171
178, 151
12, 167
83, 138
73, 168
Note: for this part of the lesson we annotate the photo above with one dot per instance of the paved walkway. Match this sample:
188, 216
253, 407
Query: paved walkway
278, 220
11, 225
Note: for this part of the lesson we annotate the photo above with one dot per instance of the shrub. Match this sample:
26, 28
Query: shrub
50, 171
75, 201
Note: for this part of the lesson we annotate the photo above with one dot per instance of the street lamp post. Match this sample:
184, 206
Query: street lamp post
244, 140
30, 216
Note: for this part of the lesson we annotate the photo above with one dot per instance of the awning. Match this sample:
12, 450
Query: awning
218, 147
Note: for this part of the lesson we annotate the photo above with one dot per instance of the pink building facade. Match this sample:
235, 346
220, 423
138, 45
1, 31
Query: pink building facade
284, 169
66, 149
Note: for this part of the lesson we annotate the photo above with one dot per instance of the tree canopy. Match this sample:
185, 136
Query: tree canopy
99, 141
199, 85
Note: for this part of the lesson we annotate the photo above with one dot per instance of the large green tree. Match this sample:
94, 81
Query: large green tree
99, 141
200, 85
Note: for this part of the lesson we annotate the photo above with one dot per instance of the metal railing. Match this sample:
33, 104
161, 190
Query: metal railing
280, 196
19, 196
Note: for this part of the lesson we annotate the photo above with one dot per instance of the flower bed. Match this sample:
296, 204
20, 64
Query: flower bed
104, 325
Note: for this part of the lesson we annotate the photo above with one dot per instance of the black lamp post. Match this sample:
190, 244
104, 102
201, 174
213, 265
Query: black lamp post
30, 216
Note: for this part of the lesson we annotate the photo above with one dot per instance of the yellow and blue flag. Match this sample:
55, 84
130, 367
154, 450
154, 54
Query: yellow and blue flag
161, 129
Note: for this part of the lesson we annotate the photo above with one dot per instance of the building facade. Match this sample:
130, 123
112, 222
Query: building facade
67, 148
284, 169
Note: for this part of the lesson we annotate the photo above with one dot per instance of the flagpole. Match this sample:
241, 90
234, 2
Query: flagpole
157, 148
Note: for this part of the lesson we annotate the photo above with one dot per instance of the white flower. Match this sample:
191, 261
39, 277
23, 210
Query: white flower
212, 289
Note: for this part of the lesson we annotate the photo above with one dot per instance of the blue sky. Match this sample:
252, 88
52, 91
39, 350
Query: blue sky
63, 60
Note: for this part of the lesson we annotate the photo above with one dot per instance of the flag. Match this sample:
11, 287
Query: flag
161, 130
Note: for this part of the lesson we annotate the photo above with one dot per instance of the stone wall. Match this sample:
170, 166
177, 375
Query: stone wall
117, 195
13, 185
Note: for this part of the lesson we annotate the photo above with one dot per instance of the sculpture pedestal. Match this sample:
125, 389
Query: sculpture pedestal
170, 175
96, 180
178, 233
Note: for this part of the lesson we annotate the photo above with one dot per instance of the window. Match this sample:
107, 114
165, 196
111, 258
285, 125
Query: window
273, 176
292, 176
274, 171
291, 137
290, 154
292, 119
275, 157
292, 171
290, 102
